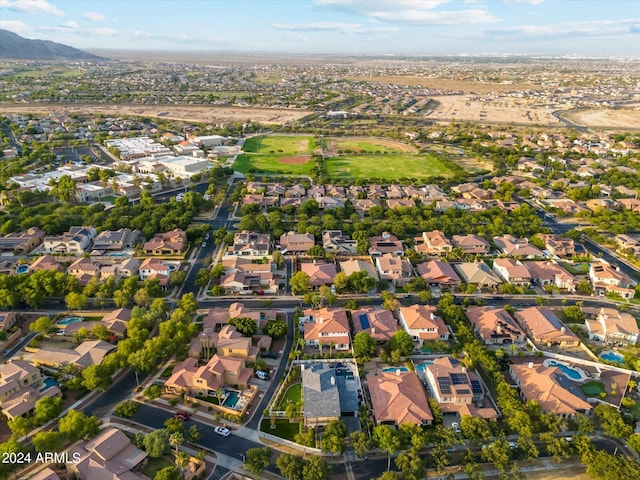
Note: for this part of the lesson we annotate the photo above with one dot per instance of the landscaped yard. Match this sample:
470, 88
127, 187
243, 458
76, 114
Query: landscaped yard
293, 394
154, 465
593, 388
284, 429
166, 373
575, 268
388, 167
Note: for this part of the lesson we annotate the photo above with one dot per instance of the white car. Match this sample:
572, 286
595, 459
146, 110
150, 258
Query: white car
456, 427
513, 445
225, 432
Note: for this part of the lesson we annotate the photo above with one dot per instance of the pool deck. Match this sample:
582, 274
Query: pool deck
550, 362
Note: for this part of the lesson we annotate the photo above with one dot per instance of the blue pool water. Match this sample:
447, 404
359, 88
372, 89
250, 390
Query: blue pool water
119, 254
568, 371
22, 268
612, 356
393, 369
68, 320
48, 382
231, 400
423, 365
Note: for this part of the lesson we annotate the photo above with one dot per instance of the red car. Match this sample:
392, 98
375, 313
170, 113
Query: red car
184, 416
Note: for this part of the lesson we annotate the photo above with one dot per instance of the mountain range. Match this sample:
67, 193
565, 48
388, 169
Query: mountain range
16, 47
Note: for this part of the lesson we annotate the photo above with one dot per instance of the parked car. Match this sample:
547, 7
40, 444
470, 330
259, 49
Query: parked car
225, 432
262, 375
456, 427
269, 354
184, 416
513, 445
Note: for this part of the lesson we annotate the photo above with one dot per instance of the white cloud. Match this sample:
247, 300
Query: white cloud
15, 26
532, 2
31, 6
598, 28
332, 26
70, 24
410, 11
94, 16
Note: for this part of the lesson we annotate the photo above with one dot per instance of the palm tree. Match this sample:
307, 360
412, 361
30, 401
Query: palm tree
176, 439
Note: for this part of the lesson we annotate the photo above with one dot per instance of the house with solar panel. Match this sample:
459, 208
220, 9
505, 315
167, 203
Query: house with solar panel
378, 323
457, 390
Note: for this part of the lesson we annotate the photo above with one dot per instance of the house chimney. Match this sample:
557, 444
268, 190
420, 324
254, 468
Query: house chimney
373, 330
563, 330
530, 364
333, 380
301, 367
464, 369
397, 371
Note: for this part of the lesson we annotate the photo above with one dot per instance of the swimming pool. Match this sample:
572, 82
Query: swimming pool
423, 365
394, 369
566, 369
48, 383
119, 254
69, 319
22, 269
231, 400
611, 356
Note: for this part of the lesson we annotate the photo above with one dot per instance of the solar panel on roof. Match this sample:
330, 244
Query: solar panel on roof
459, 378
464, 392
475, 386
444, 383
364, 321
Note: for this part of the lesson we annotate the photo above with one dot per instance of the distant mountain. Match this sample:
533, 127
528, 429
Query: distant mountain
15, 46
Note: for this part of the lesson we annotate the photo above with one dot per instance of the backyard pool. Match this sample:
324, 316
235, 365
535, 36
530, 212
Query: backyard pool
394, 369
231, 400
611, 356
119, 254
423, 365
48, 383
69, 319
22, 269
570, 372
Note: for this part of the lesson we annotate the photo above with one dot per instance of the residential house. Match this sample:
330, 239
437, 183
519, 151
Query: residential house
433, 242
378, 323
355, 265
629, 244
456, 389
295, 191
329, 393
320, 273
421, 322
84, 270
327, 327
558, 246
516, 247
189, 378
21, 386
296, 243
262, 201
250, 244
364, 205
606, 278
394, 269
45, 474
613, 326
543, 326
478, 274
227, 342
249, 282
168, 243
86, 354
7, 320
77, 240
247, 265
334, 241
385, 243
116, 240
398, 398
393, 203
329, 202
154, 268
21, 242
550, 388
546, 273
45, 262
439, 273
110, 455
218, 317
512, 271
495, 326
471, 244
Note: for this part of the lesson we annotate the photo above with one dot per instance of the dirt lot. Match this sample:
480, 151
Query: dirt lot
618, 118
296, 160
188, 113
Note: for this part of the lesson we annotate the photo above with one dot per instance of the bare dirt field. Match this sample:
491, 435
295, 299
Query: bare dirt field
295, 160
449, 84
187, 113
501, 110
612, 118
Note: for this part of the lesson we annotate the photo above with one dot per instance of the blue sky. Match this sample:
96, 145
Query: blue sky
400, 27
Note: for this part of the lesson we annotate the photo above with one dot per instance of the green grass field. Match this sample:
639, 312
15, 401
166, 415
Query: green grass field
367, 146
387, 167
281, 144
592, 389
270, 165
293, 394
284, 429
264, 154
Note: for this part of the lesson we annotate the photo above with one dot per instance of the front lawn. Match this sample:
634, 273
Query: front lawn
293, 394
592, 388
154, 465
284, 429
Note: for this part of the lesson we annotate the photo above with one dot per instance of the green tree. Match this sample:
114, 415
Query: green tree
173, 425
306, 438
20, 426
316, 252
153, 392
300, 283
402, 342
76, 425
156, 443
48, 441
341, 282
573, 314
245, 325
257, 459
291, 466
96, 377
316, 468
412, 466
333, 444
41, 325
360, 442
75, 301
364, 346
127, 409
275, 329
47, 408
168, 473
387, 439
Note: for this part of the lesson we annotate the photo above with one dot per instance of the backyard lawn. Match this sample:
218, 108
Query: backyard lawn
592, 389
284, 429
575, 268
154, 465
388, 167
293, 394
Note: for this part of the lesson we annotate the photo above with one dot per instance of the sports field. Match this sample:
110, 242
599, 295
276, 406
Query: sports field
387, 167
371, 145
277, 155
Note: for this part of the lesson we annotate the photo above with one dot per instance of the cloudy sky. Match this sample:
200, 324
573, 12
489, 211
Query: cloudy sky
420, 27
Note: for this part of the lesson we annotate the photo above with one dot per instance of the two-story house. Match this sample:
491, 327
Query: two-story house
327, 328
422, 323
613, 326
